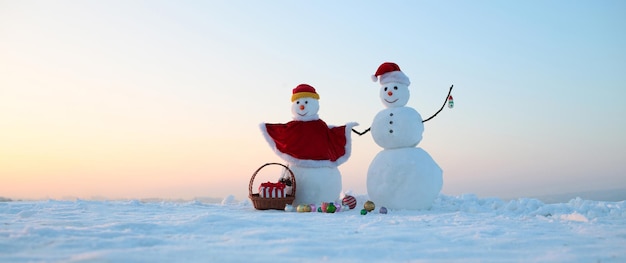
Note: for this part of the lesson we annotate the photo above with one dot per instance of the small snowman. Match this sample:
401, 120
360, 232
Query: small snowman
312, 149
401, 176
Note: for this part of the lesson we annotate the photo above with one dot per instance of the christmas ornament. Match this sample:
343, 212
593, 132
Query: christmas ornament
289, 208
324, 207
450, 102
383, 210
319, 209
303, 208
331, 208
369, 206
363, 212
350, 201
313, 208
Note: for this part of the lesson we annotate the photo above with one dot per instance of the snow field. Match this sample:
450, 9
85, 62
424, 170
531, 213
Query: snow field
456, 229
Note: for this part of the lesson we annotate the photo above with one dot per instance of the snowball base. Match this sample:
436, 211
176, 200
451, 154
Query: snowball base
316, 185
404, 178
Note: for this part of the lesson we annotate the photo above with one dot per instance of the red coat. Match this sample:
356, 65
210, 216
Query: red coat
309, 143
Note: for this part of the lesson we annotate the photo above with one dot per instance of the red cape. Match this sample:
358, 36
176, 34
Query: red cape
309, 143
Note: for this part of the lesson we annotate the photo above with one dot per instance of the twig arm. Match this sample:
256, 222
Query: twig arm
440, 109
361, 133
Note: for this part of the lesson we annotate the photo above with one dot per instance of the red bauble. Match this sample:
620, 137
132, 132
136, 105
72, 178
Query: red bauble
350, 201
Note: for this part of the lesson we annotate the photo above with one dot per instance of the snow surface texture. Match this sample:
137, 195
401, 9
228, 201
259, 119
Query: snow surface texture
456, 229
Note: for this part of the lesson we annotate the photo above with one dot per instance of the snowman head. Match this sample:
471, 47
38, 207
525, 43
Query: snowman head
393, 94
305, 103
394, 90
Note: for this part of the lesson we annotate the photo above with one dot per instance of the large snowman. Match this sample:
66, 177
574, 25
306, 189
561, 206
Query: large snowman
312, 149
401, 176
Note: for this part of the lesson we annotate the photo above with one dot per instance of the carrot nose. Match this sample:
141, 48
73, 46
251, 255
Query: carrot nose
389, 93
301, 107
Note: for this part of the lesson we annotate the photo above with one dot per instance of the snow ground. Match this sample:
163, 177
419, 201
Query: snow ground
456, 229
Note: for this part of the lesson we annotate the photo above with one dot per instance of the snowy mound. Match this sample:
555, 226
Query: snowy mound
459, 229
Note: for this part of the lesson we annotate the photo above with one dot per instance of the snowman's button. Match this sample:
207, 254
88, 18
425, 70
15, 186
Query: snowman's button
391, 114
390, 131
390, 122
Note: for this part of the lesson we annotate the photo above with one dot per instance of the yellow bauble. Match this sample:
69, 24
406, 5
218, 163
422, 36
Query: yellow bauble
369, 206
303, 208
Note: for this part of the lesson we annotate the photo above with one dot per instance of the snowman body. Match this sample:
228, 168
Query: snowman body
315, 185
404, 178
401, 176
397, 127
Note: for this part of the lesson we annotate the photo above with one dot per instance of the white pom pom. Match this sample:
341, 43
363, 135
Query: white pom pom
374, 78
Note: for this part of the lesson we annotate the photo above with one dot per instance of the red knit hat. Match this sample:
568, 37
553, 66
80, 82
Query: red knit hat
390, 72
304, 90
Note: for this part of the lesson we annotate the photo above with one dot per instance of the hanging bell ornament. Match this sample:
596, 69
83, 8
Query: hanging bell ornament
450, 102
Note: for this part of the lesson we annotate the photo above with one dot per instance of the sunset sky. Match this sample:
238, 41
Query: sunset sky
142, 99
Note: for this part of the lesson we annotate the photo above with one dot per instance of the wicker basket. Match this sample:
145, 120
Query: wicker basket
261, 203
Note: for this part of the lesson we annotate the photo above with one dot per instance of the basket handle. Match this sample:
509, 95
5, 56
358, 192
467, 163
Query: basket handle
293, 178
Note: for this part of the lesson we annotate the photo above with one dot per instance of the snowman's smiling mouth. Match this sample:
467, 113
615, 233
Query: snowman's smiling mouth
391, 101
303, 114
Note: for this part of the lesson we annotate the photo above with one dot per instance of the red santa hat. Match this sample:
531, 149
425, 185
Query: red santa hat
390, 72
304, 91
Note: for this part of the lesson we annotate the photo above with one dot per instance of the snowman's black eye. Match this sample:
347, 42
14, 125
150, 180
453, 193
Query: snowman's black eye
297, 102
306, 102
395, 87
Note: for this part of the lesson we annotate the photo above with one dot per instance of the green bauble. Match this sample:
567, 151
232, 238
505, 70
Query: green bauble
331, 208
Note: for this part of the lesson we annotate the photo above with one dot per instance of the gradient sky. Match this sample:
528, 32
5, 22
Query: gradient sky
140, 99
